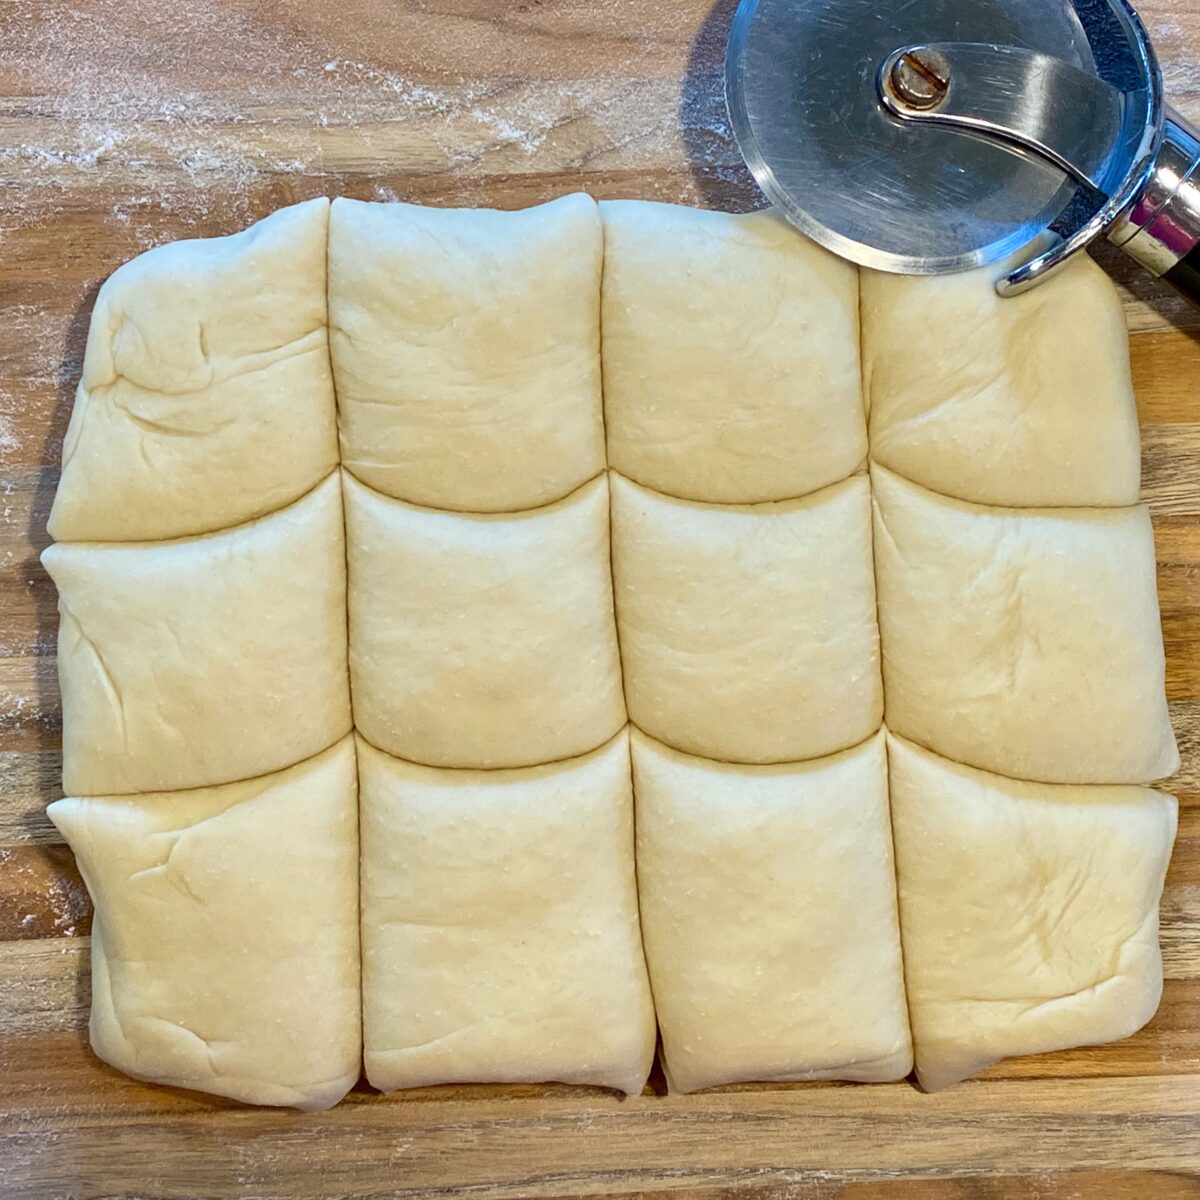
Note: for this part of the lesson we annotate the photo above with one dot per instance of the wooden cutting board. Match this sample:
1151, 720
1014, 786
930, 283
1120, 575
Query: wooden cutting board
123, 125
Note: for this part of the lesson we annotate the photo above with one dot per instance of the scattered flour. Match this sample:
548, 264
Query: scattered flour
9, 442
94, 93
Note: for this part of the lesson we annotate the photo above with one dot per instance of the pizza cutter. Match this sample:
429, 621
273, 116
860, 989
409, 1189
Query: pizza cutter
930, 136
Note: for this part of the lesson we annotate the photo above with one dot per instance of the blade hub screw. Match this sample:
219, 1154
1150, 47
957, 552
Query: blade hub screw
919, 79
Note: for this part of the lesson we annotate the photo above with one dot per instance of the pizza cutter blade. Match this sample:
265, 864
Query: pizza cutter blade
928, 136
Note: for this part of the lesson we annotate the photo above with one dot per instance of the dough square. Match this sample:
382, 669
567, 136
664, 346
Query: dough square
1023, 642
466, 350
1015, 401
225, 941
731, 355
500, 924
206, 398
200, 661
1029, 911
748, 632
483, 641
769, 915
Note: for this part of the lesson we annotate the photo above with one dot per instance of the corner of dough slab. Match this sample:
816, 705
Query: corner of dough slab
1019, 401
523, 963
466, 350
769, 915
225, 947
731, 354
206, 398
1022, 641
1028, 911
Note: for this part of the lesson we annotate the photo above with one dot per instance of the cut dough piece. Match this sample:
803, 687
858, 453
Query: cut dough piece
466, 349
483, 641
1029, 912
500, 925
731, 361
225, 942
748, 632
769, 914
1019, 401
197, 662
1024, 642
206, 398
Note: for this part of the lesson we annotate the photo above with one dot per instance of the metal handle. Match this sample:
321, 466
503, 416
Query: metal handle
1161, 229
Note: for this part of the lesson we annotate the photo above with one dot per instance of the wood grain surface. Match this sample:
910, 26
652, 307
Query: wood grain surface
123, 125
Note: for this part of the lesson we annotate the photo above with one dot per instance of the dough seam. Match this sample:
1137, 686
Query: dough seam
474, 513
862, 470
166, 791
531, 766
1023, 510
216, 531
740, 764
727, 504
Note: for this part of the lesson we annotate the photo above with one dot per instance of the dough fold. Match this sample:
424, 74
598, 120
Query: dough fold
769, 915
206, 398
1029, 911
1025, 642
500, 924
225, 942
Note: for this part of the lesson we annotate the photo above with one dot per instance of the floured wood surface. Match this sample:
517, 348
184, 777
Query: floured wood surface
123, 126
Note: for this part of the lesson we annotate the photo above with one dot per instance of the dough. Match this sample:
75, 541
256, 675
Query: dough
466, 347
207, 579
730, 345
500, 924
197, 662
483, 641
225, 941
1029, 911
1020, 401
748, 632
1023, 642
206, 397
769, 913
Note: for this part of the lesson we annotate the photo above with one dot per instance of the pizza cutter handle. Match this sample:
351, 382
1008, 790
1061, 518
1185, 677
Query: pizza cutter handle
1161, 229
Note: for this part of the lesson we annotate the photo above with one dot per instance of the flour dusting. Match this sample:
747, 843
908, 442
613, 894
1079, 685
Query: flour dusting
9, 442
95, 95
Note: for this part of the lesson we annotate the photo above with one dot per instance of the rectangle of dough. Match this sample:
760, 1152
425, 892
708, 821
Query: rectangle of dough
466, 350
483, 640
1029, 911
748, 632
769, 915
730, 348
1017, 401
500, 924
225, 943
204, 660
1023, 641
207, 397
